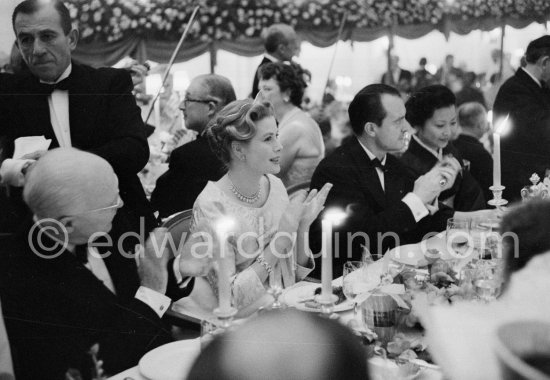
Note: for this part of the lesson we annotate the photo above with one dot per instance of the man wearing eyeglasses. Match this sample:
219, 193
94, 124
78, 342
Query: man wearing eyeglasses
192, 165
62, 292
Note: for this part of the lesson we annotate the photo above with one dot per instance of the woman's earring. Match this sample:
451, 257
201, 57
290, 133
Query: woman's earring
286, 99
243, 157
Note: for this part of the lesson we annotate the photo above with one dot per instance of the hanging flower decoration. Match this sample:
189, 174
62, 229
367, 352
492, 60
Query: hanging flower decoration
112, 20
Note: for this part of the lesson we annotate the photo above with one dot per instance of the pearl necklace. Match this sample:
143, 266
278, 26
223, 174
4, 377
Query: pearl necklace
244, 198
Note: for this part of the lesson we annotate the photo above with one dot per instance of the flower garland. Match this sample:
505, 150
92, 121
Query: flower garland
112, 20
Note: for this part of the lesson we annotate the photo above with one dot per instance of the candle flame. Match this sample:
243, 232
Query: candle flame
335, 216
503, 126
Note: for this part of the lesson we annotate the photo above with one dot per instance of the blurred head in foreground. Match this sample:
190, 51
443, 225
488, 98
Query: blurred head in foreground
284, 345
525, 230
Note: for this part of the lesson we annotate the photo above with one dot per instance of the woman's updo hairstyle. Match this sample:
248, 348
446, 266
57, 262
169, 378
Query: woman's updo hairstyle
423, 103
235, 122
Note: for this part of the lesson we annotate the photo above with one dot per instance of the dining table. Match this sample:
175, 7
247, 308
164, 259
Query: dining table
408, 255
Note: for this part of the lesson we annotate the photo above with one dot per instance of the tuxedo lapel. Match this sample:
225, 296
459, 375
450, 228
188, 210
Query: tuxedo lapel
32, 112
394, 181
82, 107
368, 177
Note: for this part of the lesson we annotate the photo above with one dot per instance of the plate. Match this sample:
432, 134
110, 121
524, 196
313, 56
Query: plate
415, 254
172, 361
295, 296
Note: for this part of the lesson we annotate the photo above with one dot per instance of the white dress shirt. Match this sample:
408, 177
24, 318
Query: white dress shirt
58, 103
415, 204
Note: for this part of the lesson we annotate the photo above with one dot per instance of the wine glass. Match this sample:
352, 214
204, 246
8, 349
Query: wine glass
350, 280
275, 290
458, 236
488, 280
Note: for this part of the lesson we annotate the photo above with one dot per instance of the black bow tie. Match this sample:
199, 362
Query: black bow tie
81, 252
46, 88
378, 164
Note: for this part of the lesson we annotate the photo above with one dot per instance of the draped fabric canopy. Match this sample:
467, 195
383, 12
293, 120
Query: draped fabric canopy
150, 29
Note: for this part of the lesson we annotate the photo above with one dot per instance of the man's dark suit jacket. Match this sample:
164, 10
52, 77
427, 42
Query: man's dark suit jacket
55, 309
466, 191
256, 80
403, 75
104, 120
525, 148
191, 166
371, 210
481, 162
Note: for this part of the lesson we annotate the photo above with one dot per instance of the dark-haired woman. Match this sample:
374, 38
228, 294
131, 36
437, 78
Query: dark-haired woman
283, 85
268, 242
431, 111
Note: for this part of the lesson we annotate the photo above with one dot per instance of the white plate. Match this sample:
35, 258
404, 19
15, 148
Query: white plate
414, 254
293, 296
172, 361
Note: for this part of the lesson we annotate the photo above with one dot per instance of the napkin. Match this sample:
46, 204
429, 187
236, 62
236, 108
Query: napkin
11, 170
30, 144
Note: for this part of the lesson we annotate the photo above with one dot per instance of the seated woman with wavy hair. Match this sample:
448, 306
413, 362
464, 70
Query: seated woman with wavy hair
303, 148
268, 242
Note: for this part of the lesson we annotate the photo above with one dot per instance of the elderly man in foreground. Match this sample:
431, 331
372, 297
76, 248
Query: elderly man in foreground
62, 292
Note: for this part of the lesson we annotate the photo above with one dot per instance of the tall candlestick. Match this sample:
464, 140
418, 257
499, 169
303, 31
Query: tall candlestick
496, 159
326, 263
496, 150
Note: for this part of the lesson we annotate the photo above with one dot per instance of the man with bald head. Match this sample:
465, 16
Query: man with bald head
194, 164
61, 296
281, 44
286, 344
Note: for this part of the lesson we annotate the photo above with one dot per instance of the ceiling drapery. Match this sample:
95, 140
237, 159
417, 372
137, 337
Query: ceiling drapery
150, 29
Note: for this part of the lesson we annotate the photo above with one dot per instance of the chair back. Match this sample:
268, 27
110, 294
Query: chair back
178, 226
293, 189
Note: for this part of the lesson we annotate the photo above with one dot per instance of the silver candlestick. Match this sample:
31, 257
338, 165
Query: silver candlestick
497, 200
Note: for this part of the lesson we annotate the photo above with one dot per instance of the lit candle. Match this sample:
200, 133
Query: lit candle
496, 151
326, 263
331, 218
223, 227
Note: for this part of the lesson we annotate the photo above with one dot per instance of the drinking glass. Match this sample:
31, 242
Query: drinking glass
275, 290
488, 280
350, 279
458, 236
484, 234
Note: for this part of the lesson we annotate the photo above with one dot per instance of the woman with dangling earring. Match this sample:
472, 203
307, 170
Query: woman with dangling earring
268, 240
283, 85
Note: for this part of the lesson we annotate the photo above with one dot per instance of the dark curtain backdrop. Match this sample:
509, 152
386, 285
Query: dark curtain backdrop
141, 48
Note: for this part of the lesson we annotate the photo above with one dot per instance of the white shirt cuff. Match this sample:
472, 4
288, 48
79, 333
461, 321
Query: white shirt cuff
11, 171
155, 300
416, 206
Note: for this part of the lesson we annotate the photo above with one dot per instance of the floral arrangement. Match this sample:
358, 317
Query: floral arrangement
112, 20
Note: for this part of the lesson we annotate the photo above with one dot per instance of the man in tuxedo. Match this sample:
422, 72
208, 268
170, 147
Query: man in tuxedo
76, 105
63, 292
526, 98
472, 119
281, 44
398, 77
193, 164
373, 187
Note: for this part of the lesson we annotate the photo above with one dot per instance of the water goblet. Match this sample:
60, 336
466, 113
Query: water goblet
350, 279
275, 290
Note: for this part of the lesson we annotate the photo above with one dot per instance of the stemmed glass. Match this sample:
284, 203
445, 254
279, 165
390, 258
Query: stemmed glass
350, 280
484, 233
275, 290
